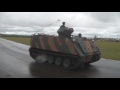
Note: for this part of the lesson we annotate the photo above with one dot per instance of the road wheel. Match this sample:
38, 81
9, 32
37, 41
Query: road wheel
75, 62
58, 61
50, 59
33, 54
66, 63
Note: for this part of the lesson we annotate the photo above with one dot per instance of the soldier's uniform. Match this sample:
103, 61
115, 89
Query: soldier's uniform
64, 31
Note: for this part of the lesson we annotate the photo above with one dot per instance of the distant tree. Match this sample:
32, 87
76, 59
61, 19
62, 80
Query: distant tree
95, 37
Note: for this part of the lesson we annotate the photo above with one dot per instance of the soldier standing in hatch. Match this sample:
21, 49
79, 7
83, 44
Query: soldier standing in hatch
63, 24
62, 29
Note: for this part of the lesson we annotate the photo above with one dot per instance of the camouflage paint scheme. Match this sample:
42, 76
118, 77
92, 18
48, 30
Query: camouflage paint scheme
75, 45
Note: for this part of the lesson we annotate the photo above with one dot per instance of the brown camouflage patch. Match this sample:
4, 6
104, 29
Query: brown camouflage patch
51, 44
70, 46
58, 40
36, 45
41, 42
89, 49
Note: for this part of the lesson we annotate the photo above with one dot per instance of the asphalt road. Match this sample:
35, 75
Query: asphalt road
15, 62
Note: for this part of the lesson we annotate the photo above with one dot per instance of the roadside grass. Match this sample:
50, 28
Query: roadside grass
109, 50
19, 39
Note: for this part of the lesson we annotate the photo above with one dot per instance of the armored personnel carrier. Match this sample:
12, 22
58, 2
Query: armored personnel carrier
63, 50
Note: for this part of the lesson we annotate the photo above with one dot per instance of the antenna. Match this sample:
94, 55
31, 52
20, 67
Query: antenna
49, 25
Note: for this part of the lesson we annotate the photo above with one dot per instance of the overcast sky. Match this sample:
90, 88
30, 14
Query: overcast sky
102, 24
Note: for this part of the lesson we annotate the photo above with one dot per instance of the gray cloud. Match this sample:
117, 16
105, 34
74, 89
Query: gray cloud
104, 24
106, 16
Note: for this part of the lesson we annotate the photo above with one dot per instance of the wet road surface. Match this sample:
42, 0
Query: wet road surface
15, 62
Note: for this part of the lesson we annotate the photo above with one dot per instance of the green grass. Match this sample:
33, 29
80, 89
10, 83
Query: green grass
109, 50
19, 39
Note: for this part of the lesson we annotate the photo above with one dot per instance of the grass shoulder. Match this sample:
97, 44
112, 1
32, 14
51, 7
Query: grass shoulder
109, 50
19, 39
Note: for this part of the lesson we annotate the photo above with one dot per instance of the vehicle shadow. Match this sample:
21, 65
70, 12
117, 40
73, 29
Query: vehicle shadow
48, 71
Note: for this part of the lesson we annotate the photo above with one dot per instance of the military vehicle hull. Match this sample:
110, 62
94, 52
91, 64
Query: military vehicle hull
67, 52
